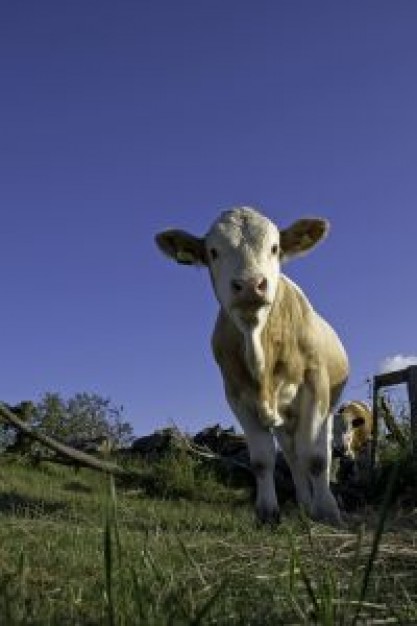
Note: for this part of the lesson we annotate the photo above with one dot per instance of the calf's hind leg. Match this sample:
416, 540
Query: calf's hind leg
313, 445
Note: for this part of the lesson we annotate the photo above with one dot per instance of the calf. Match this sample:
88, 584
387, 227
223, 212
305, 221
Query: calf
283, 366
353, 428
352, 442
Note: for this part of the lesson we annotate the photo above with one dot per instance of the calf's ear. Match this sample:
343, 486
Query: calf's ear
182, 247
302, 236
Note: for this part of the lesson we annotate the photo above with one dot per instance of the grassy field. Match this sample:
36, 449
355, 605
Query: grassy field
74, 550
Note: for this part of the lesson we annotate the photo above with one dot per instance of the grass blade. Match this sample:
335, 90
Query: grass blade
354, 572
377, 539
191, 560
208, 604
108, 569
310, 591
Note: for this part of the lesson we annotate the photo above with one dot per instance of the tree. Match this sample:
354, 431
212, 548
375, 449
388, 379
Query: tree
84, 417
10, 438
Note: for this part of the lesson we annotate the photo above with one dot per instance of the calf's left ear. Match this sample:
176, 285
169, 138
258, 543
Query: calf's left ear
182, 247
302, 236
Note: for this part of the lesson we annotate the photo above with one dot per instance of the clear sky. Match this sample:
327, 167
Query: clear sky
119, 119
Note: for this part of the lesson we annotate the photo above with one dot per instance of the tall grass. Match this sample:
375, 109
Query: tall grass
73, 551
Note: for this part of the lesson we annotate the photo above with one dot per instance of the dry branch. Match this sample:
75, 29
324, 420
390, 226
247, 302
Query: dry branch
208, 454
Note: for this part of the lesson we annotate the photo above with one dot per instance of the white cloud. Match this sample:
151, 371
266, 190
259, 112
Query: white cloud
397, 362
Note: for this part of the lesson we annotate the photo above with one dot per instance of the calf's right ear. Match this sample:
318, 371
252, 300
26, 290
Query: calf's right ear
182, 247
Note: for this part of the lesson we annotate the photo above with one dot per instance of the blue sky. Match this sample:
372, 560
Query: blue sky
121, 119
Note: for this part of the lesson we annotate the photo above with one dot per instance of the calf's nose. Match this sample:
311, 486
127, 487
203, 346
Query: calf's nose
256, 285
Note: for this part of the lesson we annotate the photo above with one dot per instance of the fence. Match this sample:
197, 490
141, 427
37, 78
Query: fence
409, 377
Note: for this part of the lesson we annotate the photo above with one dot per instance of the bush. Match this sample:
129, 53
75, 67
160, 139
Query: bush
180, 475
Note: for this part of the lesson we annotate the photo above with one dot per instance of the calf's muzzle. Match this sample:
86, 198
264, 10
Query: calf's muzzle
249, 288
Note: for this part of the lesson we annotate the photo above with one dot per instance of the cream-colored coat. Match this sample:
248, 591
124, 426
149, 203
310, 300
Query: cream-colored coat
306, 368
300, 348
283, 366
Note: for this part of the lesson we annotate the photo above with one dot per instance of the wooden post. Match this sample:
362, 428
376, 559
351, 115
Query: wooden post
408, 376
412, 395
374, 442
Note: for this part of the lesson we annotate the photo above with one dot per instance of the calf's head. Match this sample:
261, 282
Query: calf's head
243, 251
351, 430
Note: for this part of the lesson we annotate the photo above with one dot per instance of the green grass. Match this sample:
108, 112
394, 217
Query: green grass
75, 551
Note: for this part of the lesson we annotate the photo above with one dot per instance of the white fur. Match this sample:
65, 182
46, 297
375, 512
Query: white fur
243, 240
255, 356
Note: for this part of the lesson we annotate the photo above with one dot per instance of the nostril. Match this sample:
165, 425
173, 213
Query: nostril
262, 285
236, 285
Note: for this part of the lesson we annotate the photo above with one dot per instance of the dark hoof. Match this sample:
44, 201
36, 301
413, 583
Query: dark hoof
268, 517
327, 518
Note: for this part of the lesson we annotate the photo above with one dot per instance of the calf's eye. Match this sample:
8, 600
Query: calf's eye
274, 249
213, 253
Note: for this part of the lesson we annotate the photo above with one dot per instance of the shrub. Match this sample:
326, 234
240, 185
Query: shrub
180, 475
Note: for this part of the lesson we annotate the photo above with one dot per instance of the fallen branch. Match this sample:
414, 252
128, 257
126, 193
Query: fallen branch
81, 458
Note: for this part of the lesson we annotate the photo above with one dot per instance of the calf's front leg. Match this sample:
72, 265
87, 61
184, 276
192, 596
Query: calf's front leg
262, 453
